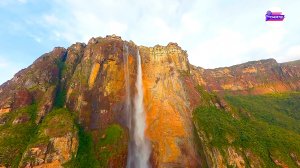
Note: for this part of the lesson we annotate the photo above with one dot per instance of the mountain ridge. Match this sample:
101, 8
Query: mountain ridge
85, 82
294, 62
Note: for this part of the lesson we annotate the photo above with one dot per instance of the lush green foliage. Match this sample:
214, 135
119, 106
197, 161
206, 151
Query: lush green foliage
282, 110
60, 98
14, 137
267, 125
57, 123
97, 154
206, 97
111, 135
110, 144
85, 155
61, 92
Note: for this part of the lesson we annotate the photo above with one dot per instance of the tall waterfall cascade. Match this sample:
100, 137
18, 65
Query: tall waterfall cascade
139, 147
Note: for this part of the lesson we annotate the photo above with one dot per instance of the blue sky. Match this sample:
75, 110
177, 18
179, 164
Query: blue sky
215, 33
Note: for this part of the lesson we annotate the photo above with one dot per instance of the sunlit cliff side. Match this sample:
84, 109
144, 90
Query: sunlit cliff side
69, 107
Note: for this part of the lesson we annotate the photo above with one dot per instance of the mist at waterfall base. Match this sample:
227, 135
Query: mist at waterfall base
139, 147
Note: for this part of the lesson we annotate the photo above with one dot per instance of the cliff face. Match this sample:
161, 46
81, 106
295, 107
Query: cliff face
256, 77
97, 93
82, 89
167, 106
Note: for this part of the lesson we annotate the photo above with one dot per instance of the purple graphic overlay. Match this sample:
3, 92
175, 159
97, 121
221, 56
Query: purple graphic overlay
274, 16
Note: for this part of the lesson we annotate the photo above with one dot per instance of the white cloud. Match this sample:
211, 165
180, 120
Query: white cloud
36, 38
22, 1
190, 24
212, 36
51, 19
293, 53
151, 20
10, 2
3, 63
214, 33
115, 27
271, 39
216, 50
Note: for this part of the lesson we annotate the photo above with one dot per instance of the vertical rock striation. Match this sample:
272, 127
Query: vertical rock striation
169, 125
95, 84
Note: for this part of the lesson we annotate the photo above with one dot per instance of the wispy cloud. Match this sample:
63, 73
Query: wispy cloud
22, 1
12, 2
213, 32
292, 53
3, 63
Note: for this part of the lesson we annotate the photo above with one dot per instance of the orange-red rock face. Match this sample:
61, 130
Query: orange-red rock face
100, 96
96, 88
256, 77
167, 107
93, 78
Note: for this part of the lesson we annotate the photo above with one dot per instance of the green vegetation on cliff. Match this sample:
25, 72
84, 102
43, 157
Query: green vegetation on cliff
281, 110
85, 156
111, 146
57, 123
61, 92
267, 125
100, 153
15, 134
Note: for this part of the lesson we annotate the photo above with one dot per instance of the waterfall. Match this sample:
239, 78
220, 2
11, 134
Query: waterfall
128, 106
139, 146
142, 151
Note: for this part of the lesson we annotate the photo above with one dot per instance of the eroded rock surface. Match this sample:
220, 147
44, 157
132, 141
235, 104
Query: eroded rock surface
256, 77
89, 81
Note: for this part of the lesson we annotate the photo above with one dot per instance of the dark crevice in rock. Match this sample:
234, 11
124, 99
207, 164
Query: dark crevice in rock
60, 94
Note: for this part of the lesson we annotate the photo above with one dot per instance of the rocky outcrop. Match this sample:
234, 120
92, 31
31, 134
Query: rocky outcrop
89, 81
58, 151
256, 77
96, 87
56, 142
295, 158
37, 83
97, 92
165, 96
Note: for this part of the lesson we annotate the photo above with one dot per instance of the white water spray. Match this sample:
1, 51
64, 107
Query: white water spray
139, 147
142, 152
128, 108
